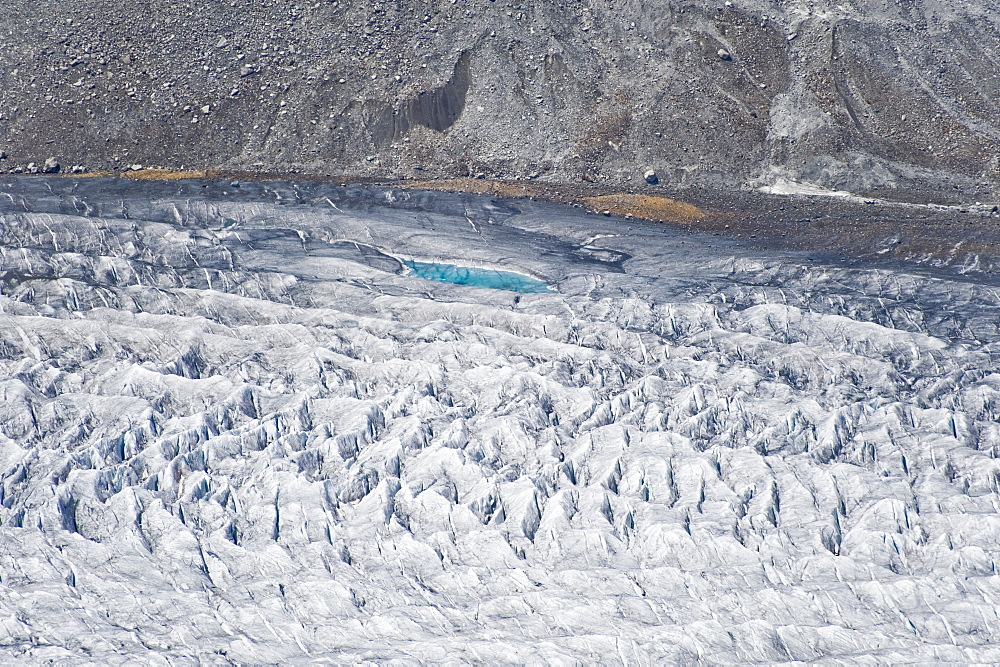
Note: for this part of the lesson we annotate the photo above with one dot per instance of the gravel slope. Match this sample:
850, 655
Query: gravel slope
870, 97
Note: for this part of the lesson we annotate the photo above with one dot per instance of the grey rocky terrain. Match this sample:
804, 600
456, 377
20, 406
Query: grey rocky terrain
894, 99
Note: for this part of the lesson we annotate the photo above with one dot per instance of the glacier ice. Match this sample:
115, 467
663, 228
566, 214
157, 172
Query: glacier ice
234, 428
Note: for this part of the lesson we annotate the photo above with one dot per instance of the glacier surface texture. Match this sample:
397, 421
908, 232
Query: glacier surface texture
237, 425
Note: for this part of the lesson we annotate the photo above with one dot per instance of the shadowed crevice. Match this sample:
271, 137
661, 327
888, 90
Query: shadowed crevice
436, 109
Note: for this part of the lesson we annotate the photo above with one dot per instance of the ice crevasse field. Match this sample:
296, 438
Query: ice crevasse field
308, 422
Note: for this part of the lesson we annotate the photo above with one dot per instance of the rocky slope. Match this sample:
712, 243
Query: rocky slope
871, 96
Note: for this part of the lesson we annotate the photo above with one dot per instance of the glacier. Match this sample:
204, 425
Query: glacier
236, 427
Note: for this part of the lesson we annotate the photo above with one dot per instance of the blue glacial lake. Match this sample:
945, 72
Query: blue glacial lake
472, 277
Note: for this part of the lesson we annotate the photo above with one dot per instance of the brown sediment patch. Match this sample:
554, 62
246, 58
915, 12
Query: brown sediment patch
647, 207
146, 174
87, 174
166, 174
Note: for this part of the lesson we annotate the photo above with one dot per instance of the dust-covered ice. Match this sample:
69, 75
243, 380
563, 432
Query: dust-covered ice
236, 427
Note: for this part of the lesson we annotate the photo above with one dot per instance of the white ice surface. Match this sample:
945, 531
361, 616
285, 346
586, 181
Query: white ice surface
230, 435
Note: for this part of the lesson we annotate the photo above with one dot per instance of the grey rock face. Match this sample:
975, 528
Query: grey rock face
738, 95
